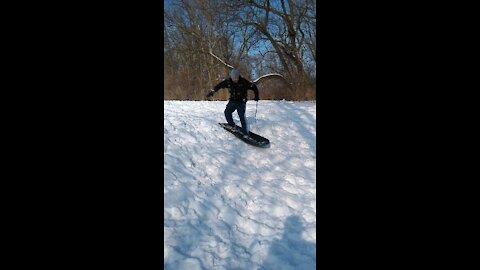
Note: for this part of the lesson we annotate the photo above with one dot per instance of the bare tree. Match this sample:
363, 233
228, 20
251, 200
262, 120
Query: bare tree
205, 39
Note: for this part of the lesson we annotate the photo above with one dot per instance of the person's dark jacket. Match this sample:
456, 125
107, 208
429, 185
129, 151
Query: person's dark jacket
238, 91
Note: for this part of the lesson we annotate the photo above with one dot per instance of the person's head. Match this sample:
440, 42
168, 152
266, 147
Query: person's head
234, 75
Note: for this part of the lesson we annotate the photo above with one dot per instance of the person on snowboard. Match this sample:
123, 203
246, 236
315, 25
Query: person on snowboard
238, 87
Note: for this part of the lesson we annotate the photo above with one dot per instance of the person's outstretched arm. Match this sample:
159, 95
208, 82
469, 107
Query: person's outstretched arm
217, 87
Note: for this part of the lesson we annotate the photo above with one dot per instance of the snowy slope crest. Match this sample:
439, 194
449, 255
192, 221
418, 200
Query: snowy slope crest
229, 205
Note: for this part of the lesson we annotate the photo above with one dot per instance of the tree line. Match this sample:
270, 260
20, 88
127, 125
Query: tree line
203, 38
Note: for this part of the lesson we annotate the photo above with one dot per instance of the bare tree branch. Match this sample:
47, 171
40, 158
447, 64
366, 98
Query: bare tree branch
266, 76
230, 66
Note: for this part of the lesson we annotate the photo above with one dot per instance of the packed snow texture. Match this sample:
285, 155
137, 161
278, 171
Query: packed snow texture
230, 205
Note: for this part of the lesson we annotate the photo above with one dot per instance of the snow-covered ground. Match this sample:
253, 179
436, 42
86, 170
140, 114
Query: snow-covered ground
230, 205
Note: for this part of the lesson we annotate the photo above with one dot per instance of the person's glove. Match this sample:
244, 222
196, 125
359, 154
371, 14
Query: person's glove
256, 98
210, 93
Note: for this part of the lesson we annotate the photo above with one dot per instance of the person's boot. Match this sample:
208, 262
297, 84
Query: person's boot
231, 127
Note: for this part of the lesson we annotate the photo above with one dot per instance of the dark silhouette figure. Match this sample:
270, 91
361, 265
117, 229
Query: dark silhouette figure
238, 87
291, 252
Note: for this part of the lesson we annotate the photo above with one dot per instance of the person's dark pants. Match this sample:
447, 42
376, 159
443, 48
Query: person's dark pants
240, 107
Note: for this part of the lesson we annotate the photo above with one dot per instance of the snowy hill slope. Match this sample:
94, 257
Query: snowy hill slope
229, 205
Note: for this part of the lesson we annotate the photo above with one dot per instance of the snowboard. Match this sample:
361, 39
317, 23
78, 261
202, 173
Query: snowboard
253, 138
